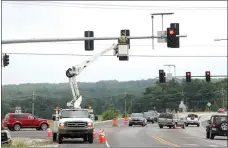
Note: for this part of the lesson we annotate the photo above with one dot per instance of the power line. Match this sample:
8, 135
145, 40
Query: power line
129, 7
142, 56
77, 43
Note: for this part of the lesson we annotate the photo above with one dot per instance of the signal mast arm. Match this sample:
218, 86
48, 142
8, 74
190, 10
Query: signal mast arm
71, 73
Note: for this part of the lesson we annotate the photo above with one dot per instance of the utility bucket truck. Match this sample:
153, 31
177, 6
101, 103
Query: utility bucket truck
76, 122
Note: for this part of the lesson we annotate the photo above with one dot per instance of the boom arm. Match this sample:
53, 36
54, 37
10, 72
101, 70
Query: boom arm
71, 73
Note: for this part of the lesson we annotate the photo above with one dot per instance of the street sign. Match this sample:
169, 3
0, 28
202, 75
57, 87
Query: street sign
209, 104
160, 34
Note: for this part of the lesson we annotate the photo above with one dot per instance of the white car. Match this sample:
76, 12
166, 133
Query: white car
193, 119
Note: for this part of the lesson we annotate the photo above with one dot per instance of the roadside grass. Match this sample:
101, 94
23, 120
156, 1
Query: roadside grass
26, 142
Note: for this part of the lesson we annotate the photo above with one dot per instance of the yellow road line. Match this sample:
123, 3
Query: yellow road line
164, 141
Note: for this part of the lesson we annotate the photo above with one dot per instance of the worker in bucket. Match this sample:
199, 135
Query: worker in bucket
123, 38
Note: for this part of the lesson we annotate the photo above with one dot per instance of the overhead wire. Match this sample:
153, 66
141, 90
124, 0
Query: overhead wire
128, 7
176, 56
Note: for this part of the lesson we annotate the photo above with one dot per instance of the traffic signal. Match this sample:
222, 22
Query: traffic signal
188, 76
208, 76
89, 44
5, 60
172, 40
162, 76
126, 32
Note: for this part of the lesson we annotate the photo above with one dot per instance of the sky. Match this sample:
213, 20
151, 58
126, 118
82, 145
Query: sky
26, 20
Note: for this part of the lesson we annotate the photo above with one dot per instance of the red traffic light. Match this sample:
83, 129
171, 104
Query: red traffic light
188, 74
207, 73
171, 32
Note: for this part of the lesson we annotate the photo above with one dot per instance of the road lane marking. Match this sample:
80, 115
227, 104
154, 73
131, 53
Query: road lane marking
164, 141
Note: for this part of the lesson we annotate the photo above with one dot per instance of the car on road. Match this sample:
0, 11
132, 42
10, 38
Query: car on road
171, 120
17, 121
217, 126
221, 110
150, 116
193, 119
6, 136
137, 119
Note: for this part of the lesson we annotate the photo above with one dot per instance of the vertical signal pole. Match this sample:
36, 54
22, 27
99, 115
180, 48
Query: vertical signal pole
152, 18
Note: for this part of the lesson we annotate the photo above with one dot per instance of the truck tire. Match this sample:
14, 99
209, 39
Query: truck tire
54, 137
161, 126
198, 125
90, 138
130, 124
59, 139
207, 135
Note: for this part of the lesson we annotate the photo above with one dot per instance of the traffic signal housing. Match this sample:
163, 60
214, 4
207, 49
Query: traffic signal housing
208, 76
162, 78
5, 60
172, 40
188, 76
89, 44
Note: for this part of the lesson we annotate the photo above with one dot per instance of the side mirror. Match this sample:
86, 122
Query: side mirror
209, 121
96, 118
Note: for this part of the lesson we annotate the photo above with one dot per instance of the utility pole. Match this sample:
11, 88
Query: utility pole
33, 98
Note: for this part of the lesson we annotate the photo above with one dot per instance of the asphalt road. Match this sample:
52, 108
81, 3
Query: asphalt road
137, 136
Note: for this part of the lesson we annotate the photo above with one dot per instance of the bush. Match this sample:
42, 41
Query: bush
110, 114
124, 115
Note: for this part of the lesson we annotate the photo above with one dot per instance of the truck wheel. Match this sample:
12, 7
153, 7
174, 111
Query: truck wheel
54, 137
208, 135
161, 126
212, 136
60, 139
17, 127
183, 126
198, 125
152, 121
130, 124
90, 138
186, 124
85, 139
175, 126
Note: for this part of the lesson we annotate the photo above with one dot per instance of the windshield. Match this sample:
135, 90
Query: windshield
192, 115
74, 114
148, 114
137, 115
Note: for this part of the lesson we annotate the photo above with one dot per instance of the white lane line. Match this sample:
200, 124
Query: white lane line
107, 143
212, 145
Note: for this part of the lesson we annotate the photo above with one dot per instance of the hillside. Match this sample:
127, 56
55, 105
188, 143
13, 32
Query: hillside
88, 90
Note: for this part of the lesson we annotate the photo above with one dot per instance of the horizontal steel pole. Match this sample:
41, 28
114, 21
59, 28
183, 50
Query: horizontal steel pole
205, 76
76, 39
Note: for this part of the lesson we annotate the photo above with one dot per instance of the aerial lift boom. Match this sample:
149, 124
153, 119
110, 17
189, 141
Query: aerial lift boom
71, 73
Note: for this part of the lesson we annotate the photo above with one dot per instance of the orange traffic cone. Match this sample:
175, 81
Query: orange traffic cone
49, 132
99, 136
103, 139
94, 134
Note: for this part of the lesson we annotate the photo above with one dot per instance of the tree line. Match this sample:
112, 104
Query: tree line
111, 96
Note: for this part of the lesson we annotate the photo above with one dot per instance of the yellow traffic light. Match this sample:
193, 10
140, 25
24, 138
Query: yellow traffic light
90, 107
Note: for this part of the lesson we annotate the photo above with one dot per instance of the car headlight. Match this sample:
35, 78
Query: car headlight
61, 125
90, 124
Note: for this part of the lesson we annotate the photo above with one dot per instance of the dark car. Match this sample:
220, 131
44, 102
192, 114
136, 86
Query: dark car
137, 119
5, 136
150, 116
16, 121
217, 126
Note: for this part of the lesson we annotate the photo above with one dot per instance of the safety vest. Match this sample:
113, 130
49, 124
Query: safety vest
123, 39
